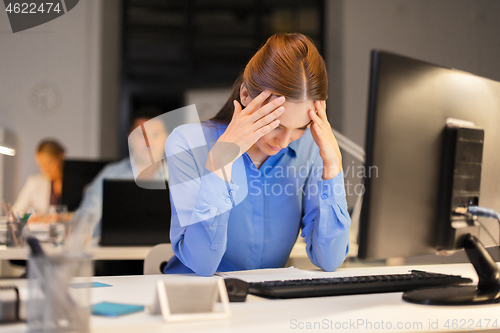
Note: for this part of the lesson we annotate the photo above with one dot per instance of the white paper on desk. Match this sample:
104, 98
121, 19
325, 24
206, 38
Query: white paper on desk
270, 274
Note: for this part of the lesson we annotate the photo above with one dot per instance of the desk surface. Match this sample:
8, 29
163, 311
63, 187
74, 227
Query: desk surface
350, 313
98, 253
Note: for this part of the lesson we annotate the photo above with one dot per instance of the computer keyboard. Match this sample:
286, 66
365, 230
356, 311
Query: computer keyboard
351, 285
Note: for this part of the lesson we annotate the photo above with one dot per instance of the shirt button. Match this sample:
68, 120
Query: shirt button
228, 200
325, 187
324, 196
231, 192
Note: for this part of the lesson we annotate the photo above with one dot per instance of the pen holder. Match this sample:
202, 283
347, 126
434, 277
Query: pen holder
14, 236
54, 304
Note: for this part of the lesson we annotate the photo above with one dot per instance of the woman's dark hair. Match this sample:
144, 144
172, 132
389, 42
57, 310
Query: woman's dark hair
51, 147
287, 65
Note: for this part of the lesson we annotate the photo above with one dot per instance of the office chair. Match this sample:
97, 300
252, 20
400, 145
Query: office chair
157, 258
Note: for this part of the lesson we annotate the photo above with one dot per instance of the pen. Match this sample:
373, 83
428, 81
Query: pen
15, 225
14, 216
11, 230
4, 207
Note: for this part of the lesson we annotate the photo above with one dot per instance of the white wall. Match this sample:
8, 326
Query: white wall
66, 56
462, 34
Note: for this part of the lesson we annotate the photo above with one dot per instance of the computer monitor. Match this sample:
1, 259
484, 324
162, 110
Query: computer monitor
135, 216
410, 104
76, 175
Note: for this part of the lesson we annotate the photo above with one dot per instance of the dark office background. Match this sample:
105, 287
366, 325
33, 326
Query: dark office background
169, 46
105, 59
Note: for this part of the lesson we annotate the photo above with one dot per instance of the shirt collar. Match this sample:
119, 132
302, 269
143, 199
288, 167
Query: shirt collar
292, 148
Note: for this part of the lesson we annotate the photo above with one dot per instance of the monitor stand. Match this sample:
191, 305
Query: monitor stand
487, 291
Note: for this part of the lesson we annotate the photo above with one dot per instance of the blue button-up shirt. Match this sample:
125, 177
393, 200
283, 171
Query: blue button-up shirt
252, 221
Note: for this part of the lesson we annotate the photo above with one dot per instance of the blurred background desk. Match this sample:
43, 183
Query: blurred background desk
298, 256
98, 253
111, 253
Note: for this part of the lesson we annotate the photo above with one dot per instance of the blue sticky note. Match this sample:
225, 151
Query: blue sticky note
115, 309
89, 285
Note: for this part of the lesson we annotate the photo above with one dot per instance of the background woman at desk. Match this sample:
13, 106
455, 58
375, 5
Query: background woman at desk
44, 189
286, 176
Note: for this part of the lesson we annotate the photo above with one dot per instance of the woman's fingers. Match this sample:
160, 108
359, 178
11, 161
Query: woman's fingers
315, 118
318, 129
324, 138
321, 107
265, 129
267, 119
267, 108
257, 101
237, 108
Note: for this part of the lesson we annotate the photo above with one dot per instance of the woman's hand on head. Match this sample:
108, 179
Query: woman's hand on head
249, 124
323, 136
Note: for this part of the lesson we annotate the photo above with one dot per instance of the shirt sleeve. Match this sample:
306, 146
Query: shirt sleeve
200, 202
326, 221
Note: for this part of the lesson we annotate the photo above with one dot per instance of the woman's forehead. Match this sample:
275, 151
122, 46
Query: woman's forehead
296, 114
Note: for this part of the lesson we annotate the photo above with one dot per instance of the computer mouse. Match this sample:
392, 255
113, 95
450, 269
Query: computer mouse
237, 289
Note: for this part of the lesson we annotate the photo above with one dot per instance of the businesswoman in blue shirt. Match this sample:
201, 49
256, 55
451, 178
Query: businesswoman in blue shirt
244, 183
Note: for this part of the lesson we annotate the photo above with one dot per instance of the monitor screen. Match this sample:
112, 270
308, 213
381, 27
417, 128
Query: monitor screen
76, 175
410, 102
135, 216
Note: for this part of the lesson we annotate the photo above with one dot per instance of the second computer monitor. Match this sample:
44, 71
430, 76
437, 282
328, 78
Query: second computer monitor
134, 216
77, 174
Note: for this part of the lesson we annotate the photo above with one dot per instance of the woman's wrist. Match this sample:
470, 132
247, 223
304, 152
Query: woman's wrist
225, 172
331, 170
220, 159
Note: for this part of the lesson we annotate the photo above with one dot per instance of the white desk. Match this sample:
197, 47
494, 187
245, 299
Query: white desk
98, 253
262, 315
